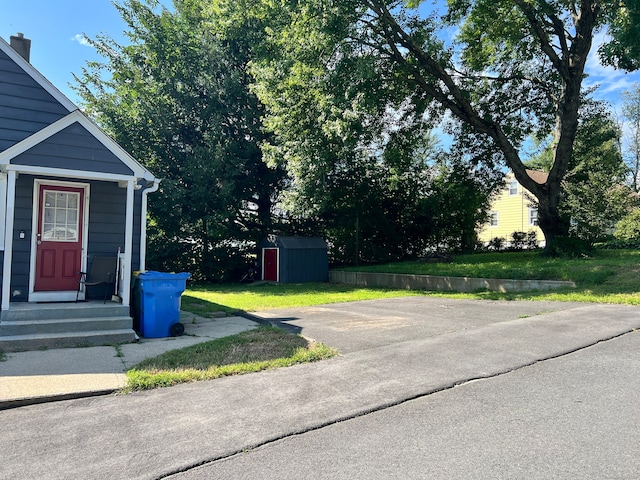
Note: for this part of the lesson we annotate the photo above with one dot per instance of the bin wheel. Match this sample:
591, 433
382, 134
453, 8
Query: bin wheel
176, 329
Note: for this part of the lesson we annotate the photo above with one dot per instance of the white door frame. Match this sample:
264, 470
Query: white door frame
64, 295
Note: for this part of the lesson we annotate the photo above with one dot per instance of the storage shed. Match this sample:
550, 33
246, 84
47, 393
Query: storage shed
294, 259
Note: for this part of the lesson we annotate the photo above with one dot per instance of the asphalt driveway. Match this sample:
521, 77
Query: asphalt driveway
358, 326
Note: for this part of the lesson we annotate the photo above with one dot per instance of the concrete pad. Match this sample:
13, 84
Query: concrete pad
61, 361
47, 375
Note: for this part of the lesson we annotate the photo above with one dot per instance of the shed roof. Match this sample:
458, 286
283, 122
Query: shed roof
295, 243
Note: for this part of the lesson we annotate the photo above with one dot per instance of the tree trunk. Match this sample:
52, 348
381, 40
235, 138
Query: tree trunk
553, 225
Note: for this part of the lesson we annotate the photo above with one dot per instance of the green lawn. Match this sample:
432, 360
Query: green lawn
609, 276
228, 298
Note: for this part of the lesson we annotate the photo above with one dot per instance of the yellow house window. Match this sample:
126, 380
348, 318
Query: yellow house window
493, 219
533, 217
513, 188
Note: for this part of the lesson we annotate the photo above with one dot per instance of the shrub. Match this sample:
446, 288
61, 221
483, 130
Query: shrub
518, 240
568, 247
628, 228
531, 240
497, 244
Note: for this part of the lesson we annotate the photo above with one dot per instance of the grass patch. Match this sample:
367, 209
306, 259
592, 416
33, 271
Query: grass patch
251, 351
206, 299
608, 276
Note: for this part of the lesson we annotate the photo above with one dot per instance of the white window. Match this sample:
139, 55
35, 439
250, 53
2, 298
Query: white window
493, 219
533, 217
513, 188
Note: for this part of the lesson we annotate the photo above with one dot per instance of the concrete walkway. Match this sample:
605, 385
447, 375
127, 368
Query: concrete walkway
58, 374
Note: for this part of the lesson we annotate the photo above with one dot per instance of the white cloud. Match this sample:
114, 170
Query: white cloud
612, 82
81, 39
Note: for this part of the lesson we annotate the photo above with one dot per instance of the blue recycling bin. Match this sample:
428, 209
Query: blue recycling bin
160, 303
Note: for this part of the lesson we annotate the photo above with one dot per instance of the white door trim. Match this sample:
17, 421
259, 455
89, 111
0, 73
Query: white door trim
61, 296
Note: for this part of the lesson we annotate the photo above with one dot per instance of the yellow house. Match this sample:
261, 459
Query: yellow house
512, 211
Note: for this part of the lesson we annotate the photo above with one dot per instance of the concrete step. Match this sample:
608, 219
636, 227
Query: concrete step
63, 311
53, 326
18, 343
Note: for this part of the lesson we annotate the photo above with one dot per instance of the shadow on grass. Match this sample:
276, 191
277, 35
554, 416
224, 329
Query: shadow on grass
203, 308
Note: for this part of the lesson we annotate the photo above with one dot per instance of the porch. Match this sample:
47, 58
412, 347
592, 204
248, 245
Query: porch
33, 326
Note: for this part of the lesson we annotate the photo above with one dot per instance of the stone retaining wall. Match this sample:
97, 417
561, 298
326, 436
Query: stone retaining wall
442, 284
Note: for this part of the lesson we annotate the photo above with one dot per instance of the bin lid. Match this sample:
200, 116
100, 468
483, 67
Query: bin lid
151, 275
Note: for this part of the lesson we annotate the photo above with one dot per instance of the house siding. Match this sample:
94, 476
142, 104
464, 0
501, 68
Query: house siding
513, 215
73, 148
25, 107
22, 247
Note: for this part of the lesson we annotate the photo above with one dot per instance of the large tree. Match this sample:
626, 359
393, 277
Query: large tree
595, 191
369, 69
631, 114
176, 96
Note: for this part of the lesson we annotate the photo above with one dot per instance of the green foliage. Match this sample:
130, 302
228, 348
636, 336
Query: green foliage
596, 196
345, 81
497, 244
177, 97
631, 113
628, 228
623, 50
518, 240
531, 241
569, 247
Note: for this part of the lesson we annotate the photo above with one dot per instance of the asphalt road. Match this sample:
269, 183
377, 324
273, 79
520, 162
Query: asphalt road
573, 417
425, 388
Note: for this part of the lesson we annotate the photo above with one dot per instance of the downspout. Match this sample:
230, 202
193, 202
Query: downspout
143, 223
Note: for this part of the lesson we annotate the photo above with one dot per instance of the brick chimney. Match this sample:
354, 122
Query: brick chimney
21, 45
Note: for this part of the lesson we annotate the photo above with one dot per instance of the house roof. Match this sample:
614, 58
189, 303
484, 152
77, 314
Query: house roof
538, 176
75, 116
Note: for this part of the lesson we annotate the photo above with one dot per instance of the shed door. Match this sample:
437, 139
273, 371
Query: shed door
270, 264
59, 238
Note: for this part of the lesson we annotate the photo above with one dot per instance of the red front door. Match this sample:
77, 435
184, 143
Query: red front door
59, 238
270, 264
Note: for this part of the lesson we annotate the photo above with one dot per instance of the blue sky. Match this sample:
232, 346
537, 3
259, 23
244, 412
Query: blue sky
56, 27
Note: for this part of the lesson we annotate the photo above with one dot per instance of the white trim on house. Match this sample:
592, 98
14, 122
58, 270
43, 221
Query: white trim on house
75, 117
143, 223
8, 240
63, 173
128, 241
36, 75
3, 206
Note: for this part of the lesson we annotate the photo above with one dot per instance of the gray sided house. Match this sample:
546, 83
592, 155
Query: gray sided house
293, 259
68, 192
